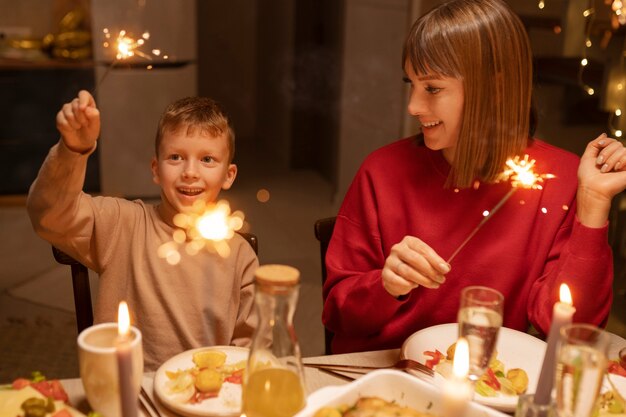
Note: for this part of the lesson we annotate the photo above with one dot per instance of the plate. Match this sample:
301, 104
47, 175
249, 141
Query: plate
390, 385
228, 403
619, 382
515, 350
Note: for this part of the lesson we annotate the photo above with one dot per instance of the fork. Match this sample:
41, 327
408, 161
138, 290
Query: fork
146, 401
402, 365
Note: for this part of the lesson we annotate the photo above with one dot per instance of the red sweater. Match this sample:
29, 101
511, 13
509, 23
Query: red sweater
526, 250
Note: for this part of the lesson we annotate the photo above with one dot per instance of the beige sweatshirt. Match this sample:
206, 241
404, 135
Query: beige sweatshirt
204, 300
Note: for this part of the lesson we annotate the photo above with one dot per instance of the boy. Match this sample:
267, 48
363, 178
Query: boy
204, 299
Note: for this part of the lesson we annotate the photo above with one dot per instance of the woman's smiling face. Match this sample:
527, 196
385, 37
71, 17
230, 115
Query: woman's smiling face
437, 102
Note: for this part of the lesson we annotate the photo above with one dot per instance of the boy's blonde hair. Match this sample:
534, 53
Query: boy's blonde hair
485, 45
196, 113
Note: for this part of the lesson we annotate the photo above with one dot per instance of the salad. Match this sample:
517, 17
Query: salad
495, 381
35, 397
205, 379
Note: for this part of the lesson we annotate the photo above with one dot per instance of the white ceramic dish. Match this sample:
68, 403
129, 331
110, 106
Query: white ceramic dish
389, 385
228, 403
515, 350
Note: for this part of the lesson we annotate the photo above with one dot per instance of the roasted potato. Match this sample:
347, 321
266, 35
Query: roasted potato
450, 352
519, 379
208, 380
209, 359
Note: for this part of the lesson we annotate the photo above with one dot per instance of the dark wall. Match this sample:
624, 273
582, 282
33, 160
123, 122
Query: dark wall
29, 101
317, 85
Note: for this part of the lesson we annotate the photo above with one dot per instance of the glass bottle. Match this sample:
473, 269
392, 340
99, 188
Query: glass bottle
274, 384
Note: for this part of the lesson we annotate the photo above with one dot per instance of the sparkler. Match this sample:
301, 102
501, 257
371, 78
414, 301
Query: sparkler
521, 175
126, 46
207, 226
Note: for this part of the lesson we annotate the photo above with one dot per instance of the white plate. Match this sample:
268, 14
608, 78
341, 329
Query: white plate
515, 350
619, 382
228, 403
389, 385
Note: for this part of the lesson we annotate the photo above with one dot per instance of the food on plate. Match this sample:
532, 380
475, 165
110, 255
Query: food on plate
611, 405
209, 359
205, 379
614, 367
494, 381
35, 397
369, 407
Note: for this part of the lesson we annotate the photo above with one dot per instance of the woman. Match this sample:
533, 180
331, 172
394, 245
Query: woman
414, 201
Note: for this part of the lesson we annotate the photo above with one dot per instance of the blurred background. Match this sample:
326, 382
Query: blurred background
312, 87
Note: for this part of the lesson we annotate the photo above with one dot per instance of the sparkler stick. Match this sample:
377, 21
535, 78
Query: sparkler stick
520, 173
482, 222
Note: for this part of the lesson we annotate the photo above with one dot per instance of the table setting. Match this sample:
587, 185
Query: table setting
438, 371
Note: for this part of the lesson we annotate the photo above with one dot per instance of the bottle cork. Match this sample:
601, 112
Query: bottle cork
274, 274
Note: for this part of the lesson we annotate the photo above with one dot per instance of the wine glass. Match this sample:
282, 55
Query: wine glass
480, 319
581, 363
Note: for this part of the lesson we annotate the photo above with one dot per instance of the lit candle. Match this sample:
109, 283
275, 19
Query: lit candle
458, 390
561, 315
128, 395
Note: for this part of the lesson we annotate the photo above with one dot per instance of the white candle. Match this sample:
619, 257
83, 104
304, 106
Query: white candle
561, 315
458, 390
128, 395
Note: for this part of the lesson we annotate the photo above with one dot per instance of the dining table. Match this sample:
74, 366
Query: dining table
314, 378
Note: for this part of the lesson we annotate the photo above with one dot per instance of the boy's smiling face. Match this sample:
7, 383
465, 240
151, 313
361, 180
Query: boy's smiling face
191, 165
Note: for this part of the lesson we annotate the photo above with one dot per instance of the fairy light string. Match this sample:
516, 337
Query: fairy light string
589, 13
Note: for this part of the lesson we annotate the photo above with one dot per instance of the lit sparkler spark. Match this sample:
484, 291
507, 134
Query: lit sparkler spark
126, 46
521, 175
207, 226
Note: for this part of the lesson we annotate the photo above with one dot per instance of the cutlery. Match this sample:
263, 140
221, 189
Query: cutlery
338, 374
402, 365
147, 403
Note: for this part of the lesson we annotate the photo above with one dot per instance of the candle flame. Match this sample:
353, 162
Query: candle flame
565, 295
460, 364
520, 173
123, 319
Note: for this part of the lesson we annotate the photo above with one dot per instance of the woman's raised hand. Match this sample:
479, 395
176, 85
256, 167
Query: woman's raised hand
601, 176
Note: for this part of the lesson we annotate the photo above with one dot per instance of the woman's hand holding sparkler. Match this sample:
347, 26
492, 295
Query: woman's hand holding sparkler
410, 264
601, 176
79, 123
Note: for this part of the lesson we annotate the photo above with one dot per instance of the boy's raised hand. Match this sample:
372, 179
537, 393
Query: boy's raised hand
79, 123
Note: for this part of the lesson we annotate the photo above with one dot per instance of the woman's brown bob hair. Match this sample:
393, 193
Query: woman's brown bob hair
484, 44
193, 113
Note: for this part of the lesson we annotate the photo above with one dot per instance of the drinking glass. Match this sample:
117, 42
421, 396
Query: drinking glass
581, 362
97, 361
526, 407
480, 319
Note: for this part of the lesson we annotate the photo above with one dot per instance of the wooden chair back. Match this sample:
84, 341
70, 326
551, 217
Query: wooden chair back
323, 232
